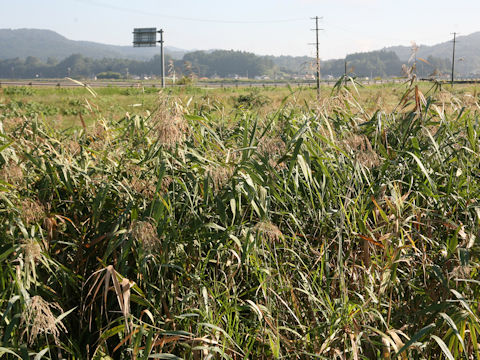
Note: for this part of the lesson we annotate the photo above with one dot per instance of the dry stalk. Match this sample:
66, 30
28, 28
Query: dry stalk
99, 137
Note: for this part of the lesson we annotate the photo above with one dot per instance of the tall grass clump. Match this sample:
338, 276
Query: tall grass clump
321, 230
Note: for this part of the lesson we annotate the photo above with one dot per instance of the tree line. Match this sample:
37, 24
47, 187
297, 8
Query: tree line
76, 66
383, 64
219, 63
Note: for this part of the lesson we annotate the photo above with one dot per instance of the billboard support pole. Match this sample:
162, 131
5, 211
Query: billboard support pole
147, 37
162, 58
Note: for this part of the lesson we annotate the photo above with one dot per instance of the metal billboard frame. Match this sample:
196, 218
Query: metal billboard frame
144, 37
147, 37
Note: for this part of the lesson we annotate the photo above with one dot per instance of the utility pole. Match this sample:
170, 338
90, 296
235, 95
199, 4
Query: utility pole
318, 54
453, 55
162, 57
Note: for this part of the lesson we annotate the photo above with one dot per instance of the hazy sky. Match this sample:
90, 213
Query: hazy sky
262, 26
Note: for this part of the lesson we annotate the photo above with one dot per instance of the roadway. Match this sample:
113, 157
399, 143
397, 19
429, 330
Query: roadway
65, 83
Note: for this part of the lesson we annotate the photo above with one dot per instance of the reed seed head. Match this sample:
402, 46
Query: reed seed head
362, 149
32, 211
73, 147
144, 187
31, 250
272, 148
171, 126
269, 230
220, 175
39, 318
165, 184
145, 233
12, 174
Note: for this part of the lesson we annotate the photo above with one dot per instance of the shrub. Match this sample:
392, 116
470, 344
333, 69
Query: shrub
109, 75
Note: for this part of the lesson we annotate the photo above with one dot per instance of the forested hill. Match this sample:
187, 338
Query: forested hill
45, 44
467, 52
383, 63
27, 53
218, 63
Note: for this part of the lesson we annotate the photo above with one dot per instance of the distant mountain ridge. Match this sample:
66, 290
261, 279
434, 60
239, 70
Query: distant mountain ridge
467, 52
44, 44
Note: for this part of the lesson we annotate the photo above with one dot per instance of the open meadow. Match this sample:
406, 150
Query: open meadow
196, 223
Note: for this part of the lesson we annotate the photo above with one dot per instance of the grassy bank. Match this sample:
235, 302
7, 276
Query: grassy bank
209, 224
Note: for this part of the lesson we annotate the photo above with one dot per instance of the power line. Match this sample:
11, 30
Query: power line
424, 42
193, 19
364, 33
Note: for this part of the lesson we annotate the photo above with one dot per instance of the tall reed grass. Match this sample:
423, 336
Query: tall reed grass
317, 231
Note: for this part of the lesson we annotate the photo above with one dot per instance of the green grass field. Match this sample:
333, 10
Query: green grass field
240, 224
62, 106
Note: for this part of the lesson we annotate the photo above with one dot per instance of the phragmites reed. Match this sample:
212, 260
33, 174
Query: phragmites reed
220, 175
39, 318
165, 184
145, 233
32, 211
144, 187
272, 148
170, 125
99, 137
99, 132
144, 184
31, 250
73, 147
10, 124
444, 97
362, 149
268, 230
12, 174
